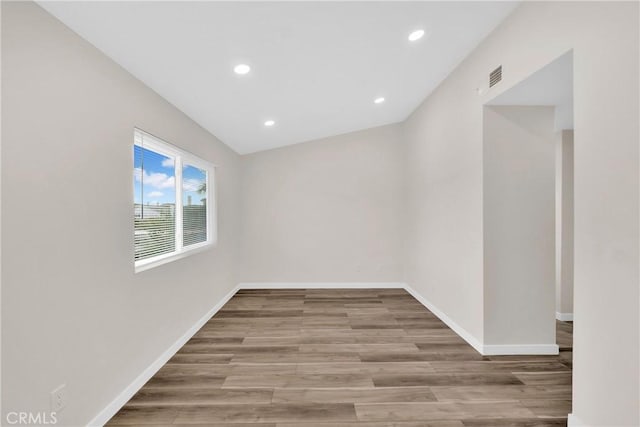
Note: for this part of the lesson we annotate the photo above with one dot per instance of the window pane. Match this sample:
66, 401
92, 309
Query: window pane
194, 202
154, 203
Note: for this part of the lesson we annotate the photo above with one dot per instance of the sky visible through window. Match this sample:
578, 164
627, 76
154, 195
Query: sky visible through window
154, 180
194, 185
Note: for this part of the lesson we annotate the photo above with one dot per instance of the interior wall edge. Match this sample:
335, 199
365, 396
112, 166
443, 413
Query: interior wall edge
321, 285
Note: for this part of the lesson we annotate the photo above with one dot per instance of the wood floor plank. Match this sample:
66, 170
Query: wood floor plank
252, 314
373, 324
444, 347
299, 381
545, 378
238, 349
274, 332
259, 413
492, 366
298, 340
132, 415
548, 408
460, 379
346, 358
201, 358
355, 348
359, 395
418, 356
172, 370
221, 332
501, 392
181, 397
295, 358
516, 422
408, 368
440, 410
216, 340
187, 381
426, 332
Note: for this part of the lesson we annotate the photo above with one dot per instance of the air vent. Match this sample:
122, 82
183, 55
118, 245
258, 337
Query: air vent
495, 76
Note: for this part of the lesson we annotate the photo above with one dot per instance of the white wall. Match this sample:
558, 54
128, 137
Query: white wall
444, 160
519, 226
73, 311
564, 223
324, 211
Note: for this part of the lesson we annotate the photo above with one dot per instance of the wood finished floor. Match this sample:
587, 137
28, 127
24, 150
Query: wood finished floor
347, 358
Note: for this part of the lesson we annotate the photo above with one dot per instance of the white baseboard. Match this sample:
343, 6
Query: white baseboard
573, 421
320, 285
519, 349
485, 350
564, 317
464, 334
126, 394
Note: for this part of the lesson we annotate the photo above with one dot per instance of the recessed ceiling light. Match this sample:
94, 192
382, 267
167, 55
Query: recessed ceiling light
269, 123
416, 35
378, 100
241, 69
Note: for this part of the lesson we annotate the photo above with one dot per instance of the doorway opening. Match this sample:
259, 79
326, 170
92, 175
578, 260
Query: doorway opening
528, 214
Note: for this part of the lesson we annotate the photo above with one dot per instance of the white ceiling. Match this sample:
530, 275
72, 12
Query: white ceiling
316, 66
551, 85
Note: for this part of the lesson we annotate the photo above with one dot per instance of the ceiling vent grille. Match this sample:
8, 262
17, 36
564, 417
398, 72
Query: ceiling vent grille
495, 76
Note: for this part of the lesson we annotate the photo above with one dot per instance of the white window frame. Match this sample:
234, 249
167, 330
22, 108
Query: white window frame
153, 143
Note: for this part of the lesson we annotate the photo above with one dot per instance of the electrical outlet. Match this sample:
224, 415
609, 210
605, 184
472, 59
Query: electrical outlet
59, 398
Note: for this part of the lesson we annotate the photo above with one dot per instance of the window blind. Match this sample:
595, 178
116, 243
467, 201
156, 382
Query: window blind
154, 203
194, 217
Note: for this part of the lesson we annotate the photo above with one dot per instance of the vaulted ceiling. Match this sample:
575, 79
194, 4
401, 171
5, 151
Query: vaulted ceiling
315, 67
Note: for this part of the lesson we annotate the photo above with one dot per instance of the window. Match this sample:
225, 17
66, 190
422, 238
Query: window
173, 202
